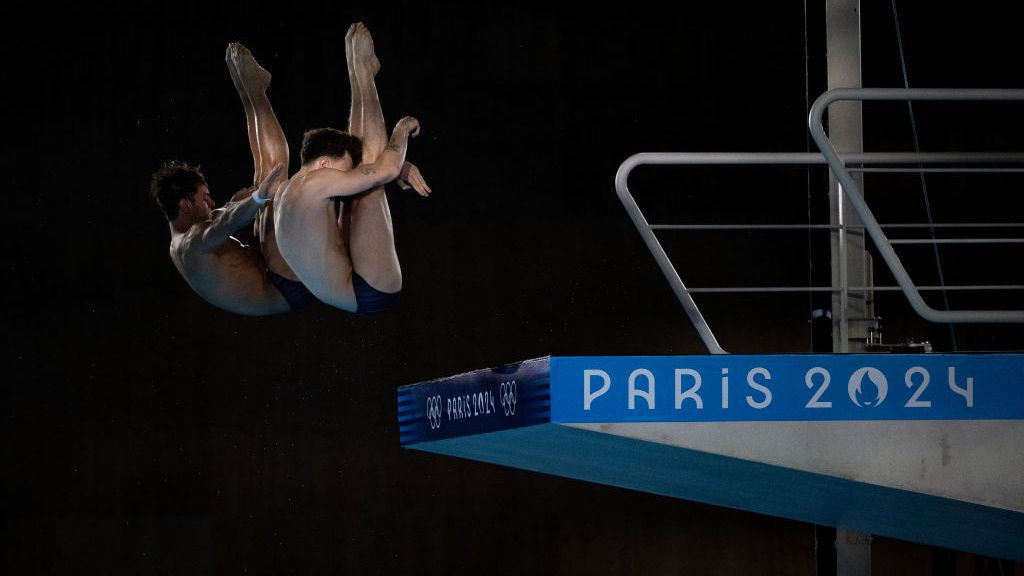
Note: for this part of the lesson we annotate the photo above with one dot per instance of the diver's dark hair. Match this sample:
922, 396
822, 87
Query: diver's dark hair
330, 142
173, 181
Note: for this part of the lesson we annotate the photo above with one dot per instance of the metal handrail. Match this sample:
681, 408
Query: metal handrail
849, 187
646, 230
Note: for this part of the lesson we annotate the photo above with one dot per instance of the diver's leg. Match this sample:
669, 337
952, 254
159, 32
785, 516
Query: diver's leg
371, 238
267, 141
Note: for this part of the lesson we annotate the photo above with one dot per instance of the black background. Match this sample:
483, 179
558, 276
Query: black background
153, 433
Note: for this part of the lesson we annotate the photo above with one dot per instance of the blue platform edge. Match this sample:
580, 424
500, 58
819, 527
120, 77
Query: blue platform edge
503, 416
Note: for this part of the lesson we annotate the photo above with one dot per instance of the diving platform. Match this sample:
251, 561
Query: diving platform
926, 448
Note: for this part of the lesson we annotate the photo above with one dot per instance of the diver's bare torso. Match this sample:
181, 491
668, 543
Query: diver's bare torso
231, 276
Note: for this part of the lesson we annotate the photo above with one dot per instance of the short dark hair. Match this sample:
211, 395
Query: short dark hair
330, 142
173, 181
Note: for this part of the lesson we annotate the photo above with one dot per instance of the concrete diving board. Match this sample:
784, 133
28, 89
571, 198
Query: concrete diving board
926, 448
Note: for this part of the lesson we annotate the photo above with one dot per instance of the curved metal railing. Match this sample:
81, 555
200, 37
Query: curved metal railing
849, 186
838, 163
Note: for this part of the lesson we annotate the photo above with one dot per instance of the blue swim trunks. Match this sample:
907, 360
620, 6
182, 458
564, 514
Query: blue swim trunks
296, 293
369, 299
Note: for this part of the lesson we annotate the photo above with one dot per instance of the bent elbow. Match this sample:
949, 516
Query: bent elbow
388, 167
390, 172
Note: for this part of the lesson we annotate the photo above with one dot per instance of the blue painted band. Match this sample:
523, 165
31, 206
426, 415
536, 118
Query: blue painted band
509, 396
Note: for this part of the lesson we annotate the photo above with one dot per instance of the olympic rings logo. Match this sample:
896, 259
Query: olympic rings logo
509, 392
434, 411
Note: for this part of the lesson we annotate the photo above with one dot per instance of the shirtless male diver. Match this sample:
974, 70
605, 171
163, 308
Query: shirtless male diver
347, 259
245, 279
223, 271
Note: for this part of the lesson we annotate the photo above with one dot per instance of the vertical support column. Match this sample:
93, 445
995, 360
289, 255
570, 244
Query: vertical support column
853, 553
851, 263
852, 310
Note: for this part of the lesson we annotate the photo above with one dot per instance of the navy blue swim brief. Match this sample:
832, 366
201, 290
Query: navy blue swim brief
369, 299
296, 293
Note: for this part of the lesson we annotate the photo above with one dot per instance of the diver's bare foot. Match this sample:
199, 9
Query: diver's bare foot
249, 72
349, 55
364, 57
234, 74
349, 35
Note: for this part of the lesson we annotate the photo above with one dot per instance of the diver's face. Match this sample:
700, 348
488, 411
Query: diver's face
201, 204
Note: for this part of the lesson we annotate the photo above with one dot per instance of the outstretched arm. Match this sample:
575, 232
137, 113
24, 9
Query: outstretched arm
238, 212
